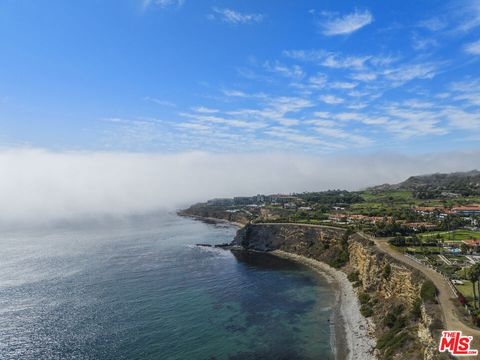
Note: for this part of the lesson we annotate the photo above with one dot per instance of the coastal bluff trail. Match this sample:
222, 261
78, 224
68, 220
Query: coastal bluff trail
445, 295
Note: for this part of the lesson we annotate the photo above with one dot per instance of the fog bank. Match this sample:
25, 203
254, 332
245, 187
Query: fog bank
38, 186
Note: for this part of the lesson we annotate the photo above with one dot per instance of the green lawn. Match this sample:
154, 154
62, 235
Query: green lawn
467, 291
456, 235
423, 249
387, 196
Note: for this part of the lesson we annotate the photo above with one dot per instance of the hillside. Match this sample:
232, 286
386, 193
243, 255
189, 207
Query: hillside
461, 183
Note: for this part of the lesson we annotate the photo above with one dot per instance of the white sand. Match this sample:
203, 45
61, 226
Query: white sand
357, 328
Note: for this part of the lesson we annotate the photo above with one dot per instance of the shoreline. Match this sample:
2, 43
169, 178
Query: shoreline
351, 329
210, 219
350, 338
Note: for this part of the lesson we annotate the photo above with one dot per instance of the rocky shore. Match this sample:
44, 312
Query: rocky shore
376, 287
353, 332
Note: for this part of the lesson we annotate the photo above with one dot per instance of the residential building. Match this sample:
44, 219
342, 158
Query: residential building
220, 202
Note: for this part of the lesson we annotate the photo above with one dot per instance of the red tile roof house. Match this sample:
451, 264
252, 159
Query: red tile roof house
337, 217
419, 225
427, 210
471, 243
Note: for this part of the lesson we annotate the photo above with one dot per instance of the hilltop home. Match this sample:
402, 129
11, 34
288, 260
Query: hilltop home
220, 202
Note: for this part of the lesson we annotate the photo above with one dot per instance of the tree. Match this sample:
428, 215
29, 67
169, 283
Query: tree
476, 268
472, 276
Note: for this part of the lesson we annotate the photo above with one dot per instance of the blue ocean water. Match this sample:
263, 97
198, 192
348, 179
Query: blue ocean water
137, 288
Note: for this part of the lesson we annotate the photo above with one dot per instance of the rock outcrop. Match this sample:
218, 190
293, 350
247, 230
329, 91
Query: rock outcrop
220, 213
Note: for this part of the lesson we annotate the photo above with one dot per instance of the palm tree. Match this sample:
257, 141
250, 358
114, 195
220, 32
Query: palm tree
476, 268
472, 276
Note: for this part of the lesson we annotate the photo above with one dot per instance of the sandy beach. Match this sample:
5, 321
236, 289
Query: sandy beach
352, 330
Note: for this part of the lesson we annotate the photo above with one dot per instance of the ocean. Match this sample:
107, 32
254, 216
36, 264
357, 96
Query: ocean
139, 288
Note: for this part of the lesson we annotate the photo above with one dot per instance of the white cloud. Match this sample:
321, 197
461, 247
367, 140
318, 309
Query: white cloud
159, 101
346, 24
331, 99
205, 110
367, 76
342, 134
40, 186
321, 122
473, 48
468, 91
298, 137
356, 93
405, 73
433, 24
294, 71
235, 17
318, 81
218, 119
462, 119
235, 93
335, 61
469, 13
274, 109
422, 43
194, 126
343, 85
164, 3
328, 59
357, 106
412, 122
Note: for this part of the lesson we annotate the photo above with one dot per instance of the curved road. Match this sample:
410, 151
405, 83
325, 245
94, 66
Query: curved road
446, 297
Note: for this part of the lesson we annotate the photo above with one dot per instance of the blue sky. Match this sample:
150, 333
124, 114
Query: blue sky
169, 76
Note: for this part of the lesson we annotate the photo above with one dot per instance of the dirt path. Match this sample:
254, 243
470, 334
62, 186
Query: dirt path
446, 297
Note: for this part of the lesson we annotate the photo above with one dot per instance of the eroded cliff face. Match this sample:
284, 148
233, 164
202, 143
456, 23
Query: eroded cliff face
388, 290
316, 242
395, 285
401, 284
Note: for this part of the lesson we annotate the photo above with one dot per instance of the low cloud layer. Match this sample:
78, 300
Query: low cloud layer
38, 186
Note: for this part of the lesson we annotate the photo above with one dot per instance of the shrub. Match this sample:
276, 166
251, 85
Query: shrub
462, 299
393, 341
398, 310
416, 311
428, 291
400, 323
366, 310
387, 270
340, 259
364, 298
396, 343
390, 319
385, 339
353, 276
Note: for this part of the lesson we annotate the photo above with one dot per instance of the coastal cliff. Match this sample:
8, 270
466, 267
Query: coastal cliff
399, 301
218, 213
